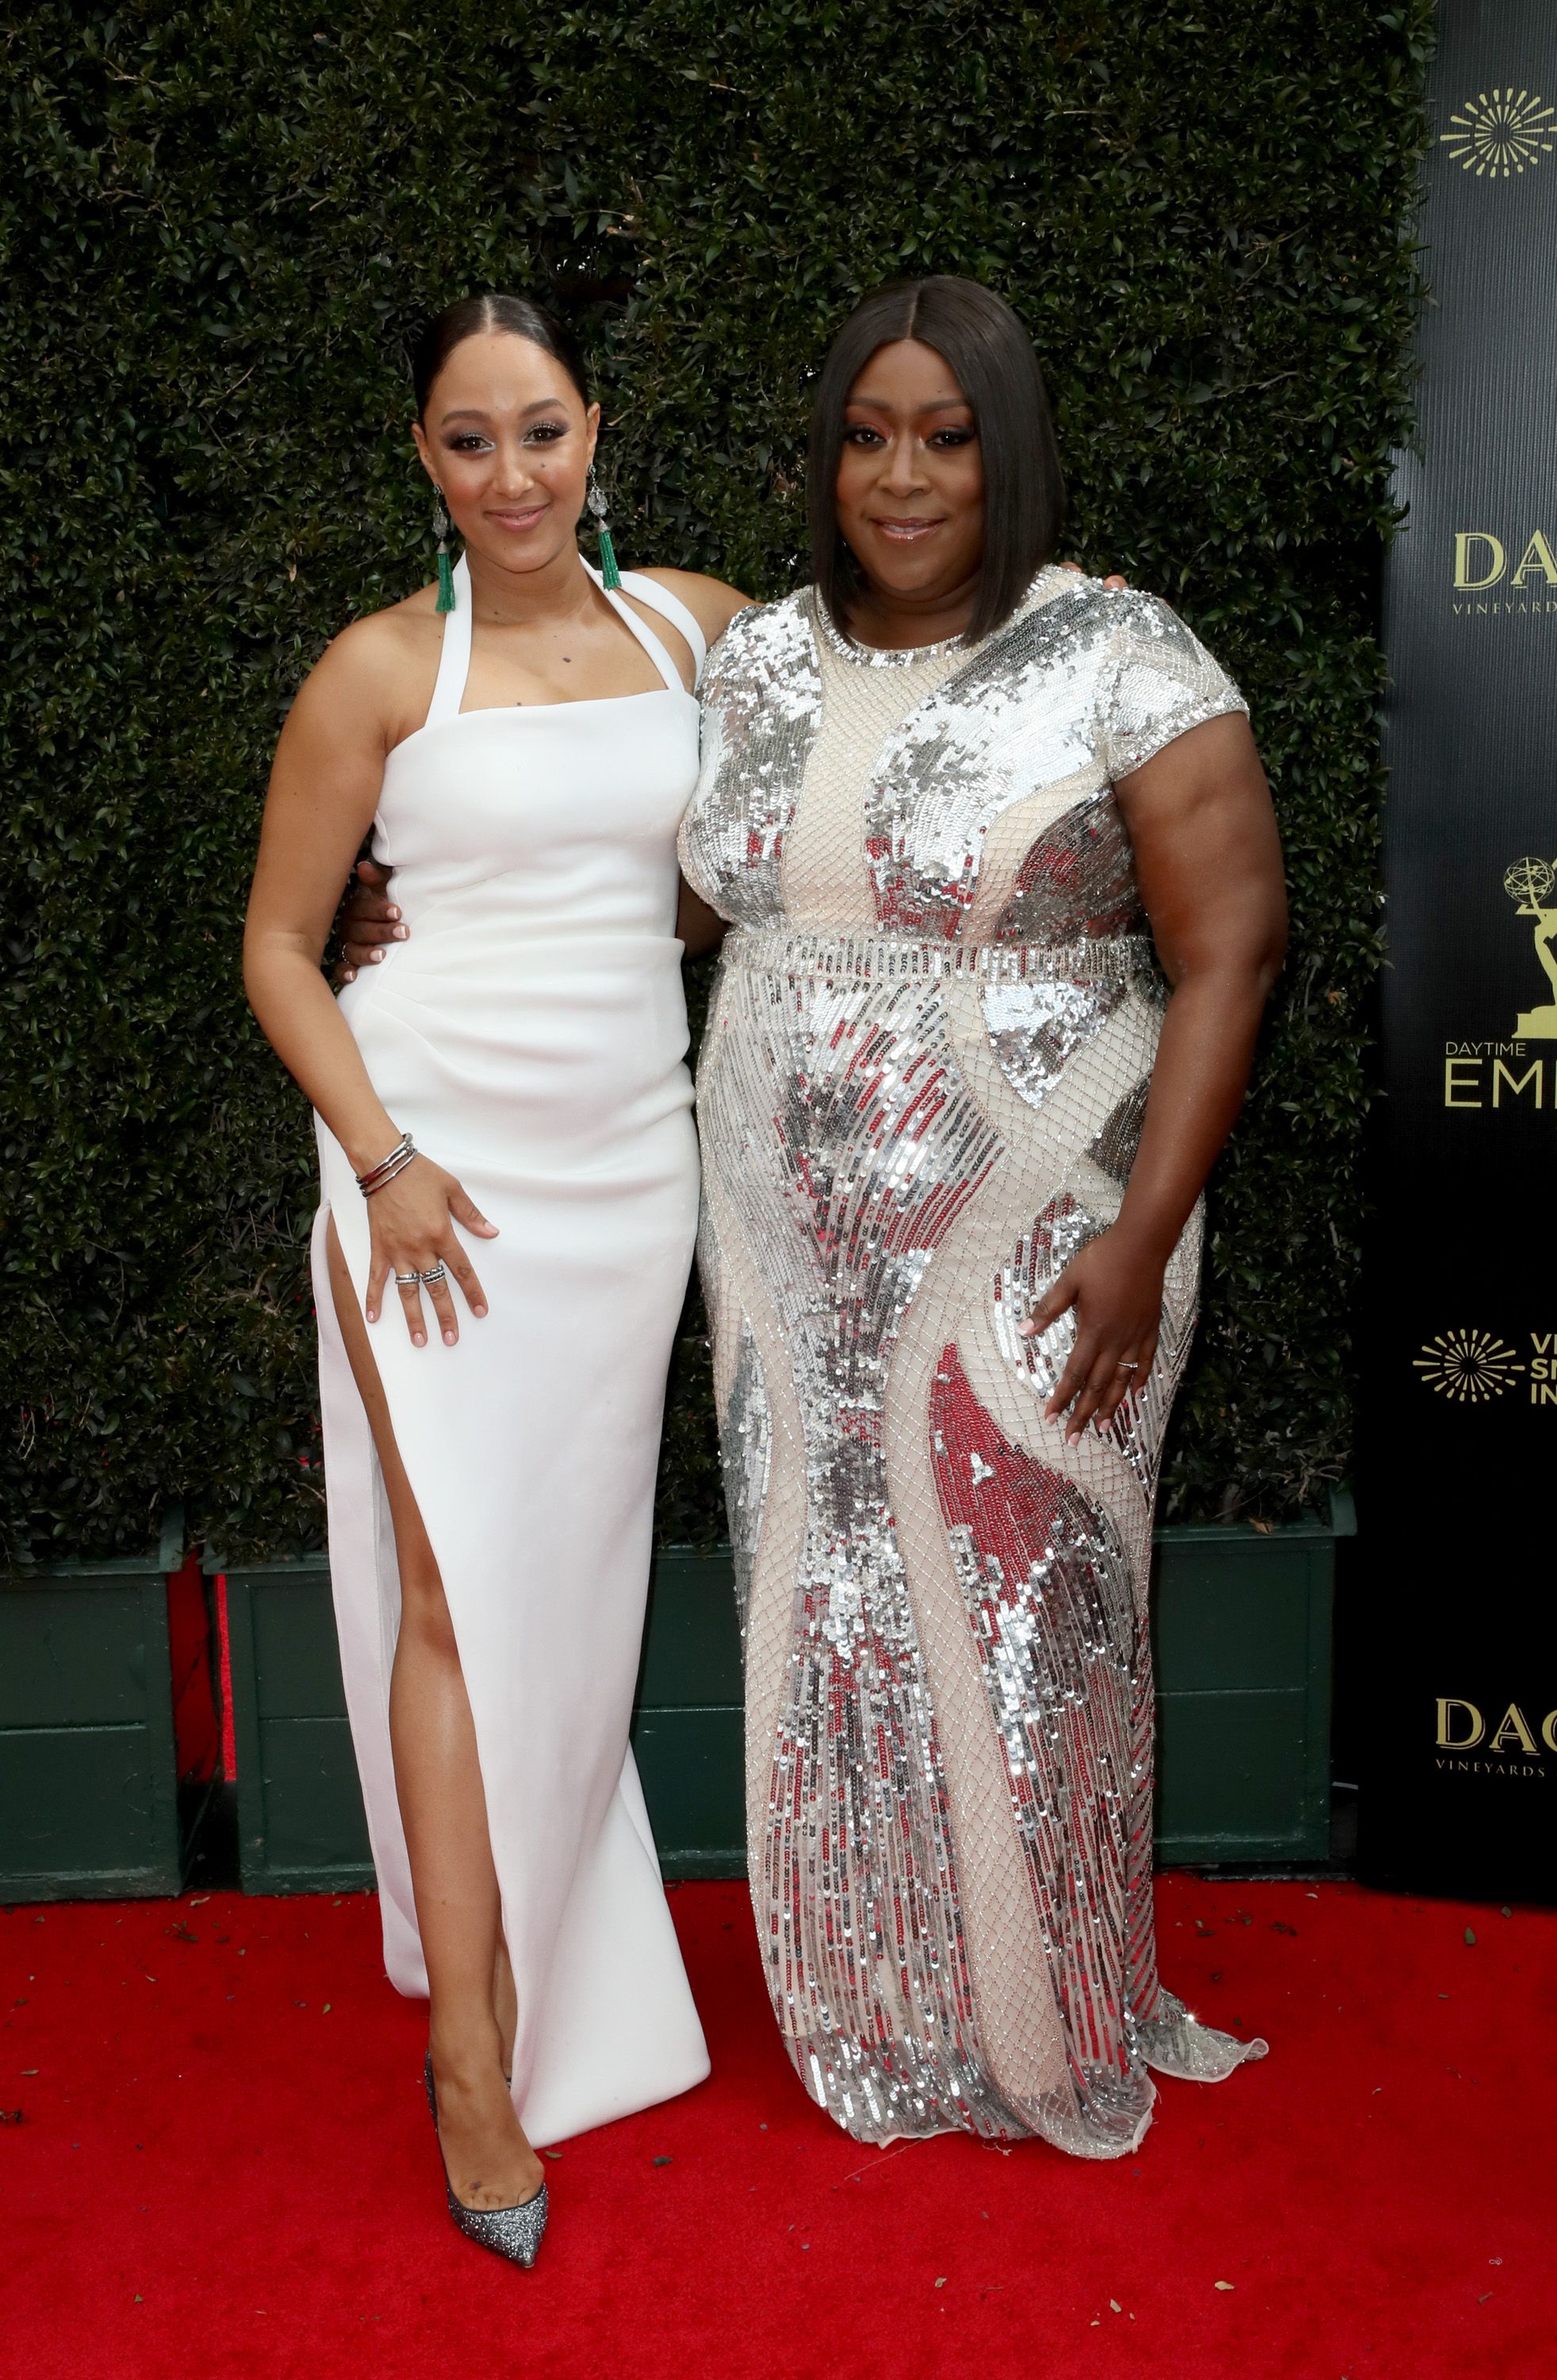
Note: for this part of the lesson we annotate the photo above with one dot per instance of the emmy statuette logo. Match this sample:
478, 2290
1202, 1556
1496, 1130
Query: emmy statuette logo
1500, 133
1528, 884
1510, 1073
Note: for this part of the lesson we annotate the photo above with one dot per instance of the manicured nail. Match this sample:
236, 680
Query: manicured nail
479, 1309
373, 1314
1074, 1439
375, 956
447, 1338
394, 913
401, 932
418, 1339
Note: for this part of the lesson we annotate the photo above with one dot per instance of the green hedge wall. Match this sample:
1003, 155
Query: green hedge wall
220, 223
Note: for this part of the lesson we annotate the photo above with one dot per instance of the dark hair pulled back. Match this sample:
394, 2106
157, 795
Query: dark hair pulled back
992, 361
492, 312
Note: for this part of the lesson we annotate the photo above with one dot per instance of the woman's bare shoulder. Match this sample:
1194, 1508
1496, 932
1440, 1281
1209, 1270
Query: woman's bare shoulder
712, 605
382, 642
385, 663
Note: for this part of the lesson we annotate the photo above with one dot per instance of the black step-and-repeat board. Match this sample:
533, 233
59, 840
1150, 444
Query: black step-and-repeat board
1458, 1708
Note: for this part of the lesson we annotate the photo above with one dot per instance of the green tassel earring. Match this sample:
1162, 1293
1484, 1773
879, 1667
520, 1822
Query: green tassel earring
610, 575
445, 567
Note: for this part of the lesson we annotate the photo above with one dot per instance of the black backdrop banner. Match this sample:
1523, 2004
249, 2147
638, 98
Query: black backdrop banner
1460, 1783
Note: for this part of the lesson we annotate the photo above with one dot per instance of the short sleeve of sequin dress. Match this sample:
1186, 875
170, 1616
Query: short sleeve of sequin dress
922, 1084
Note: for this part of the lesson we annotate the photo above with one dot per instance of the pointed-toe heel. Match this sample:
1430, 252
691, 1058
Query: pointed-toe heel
514, 2232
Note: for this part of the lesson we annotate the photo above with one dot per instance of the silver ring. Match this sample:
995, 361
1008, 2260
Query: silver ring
440, 1273
407, 1279
1118, 1368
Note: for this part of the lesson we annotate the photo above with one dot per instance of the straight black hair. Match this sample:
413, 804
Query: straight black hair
468, 316
992, 361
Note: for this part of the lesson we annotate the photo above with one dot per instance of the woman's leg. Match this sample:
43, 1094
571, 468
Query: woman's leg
505, 2006
443, 1809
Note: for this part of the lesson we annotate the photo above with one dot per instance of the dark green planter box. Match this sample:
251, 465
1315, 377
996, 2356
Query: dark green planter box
687, 1728
1242, 1636
299, 1806
88, 1786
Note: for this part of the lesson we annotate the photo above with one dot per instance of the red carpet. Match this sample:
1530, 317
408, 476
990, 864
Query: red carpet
222, 2165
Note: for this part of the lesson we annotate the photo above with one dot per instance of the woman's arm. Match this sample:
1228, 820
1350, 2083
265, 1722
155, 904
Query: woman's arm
1208, 860
324, 787
698, 927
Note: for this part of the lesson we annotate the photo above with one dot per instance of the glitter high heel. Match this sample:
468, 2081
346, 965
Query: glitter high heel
512, 2231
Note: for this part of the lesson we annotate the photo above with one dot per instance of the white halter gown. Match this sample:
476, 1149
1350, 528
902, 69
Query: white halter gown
531, 1035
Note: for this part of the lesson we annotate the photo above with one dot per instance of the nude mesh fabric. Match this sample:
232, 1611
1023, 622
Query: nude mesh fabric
825, 880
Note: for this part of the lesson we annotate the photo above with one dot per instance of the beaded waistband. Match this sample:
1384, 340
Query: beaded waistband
892, 957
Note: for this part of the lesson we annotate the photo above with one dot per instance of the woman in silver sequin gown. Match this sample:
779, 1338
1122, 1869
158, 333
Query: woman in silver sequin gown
952, 1237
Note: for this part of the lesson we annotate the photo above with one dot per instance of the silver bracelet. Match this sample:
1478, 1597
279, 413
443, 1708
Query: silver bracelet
399, 1157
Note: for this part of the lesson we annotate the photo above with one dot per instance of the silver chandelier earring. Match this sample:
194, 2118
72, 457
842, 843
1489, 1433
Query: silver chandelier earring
440, 526
610, 575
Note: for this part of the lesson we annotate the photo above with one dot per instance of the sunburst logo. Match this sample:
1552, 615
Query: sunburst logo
1501, 132
1472, 1366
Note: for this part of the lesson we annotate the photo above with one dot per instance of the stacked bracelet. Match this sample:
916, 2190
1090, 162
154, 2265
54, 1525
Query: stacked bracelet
399, 1157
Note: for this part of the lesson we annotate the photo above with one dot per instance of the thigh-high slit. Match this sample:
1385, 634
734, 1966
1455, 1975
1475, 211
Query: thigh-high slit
439, 1788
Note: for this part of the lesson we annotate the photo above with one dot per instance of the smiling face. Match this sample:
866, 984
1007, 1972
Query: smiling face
508, 439
910, 488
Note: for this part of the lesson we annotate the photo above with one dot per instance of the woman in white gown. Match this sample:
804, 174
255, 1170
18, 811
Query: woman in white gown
524, 759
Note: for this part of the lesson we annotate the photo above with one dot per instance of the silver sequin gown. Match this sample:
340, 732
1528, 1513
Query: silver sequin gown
922, 1084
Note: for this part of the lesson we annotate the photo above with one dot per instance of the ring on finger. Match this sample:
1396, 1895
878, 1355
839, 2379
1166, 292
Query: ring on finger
407, 1279
1118, 1368
430, 1279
